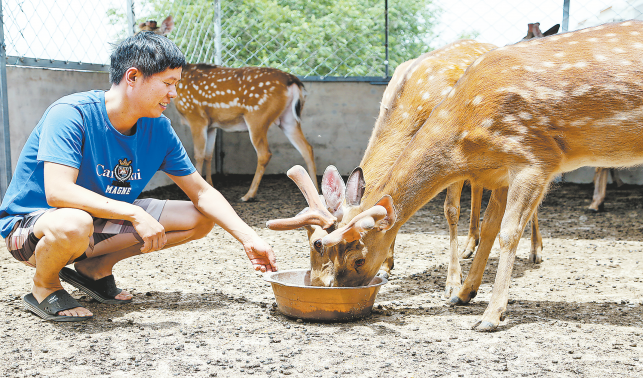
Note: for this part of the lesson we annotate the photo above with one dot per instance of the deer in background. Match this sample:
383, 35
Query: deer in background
429, 77
600, 187
518, 117
237, 100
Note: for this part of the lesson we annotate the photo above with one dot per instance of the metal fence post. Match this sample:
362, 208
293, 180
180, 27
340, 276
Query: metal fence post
131, 19
5, 140
565, 16
386, 38
218, 142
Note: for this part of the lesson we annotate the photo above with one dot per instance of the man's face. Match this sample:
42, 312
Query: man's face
155, 92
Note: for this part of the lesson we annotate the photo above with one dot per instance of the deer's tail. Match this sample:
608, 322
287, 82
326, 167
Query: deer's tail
298, 94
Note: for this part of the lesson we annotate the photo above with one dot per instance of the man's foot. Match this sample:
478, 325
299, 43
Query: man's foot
103, 289
40, 294
86, 271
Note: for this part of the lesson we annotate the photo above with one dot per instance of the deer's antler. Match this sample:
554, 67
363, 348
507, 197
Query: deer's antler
363, 222
317, 214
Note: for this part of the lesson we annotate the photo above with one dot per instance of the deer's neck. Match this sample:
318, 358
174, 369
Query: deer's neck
419, 174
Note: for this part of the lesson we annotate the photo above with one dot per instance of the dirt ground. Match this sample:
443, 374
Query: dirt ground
201, 311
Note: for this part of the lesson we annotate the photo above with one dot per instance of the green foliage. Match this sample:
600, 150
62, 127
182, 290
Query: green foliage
307, 38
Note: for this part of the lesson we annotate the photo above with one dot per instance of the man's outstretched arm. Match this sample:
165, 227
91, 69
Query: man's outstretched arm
213, 205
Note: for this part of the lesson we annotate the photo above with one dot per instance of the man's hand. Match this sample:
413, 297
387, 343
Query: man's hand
261, 255
151, 231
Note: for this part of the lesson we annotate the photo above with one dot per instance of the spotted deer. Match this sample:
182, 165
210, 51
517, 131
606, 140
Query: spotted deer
518, 117
236, 100
427, 78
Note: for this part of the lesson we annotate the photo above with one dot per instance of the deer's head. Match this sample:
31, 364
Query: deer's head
151, 25
347, 242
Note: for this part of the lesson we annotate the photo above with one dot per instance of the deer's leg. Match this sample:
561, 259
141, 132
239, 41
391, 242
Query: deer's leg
293, 132
524, 195
535, 255
452, 213
259, 139
616, 177
600, 186
490, 227
199, 130
209, 151
474, 222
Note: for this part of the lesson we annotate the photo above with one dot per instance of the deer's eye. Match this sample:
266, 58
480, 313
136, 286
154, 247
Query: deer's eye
318, 244
359, 262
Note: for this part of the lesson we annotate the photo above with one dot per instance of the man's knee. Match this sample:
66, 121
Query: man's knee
70, 228
203, 227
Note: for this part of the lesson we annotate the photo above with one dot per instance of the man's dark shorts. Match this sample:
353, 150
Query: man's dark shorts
21, 242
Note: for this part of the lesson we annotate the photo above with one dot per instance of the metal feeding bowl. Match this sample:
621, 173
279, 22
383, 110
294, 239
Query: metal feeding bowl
296, 298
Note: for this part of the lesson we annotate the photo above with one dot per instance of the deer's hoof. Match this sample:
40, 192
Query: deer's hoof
596, 209
247, 199
456, 301
467, 254
484, 326
535, 258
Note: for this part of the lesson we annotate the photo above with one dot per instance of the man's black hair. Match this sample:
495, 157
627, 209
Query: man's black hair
146, 51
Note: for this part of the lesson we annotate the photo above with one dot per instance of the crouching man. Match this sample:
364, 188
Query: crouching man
73, 197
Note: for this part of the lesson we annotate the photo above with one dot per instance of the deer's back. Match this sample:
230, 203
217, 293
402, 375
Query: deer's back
416, 87
568, 100
225, 95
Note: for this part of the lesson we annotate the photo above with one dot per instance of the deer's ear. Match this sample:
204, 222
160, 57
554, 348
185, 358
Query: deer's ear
388, 222
553, 30
167, 25
333, 189
355, 187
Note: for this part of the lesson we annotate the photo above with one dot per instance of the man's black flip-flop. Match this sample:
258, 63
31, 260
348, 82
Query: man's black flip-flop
49, 308
103, 289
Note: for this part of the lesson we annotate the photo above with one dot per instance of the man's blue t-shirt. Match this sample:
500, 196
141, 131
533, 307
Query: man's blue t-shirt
75, 131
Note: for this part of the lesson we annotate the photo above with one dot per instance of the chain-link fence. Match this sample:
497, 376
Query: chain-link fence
341, 38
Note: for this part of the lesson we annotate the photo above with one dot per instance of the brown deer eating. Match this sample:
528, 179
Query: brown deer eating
236, 100
519, 116
427, 79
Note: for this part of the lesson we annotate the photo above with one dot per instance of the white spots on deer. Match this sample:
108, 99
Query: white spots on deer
572, 42
559, 55
628, 23
638, 45
516, 90
425, 95
445, 91
592, 40
196, 87
618, 50
443, 114
476, 100
524, 115
464, 134
509, 119
554, 38
625, 63
549, 64
180, 85
486, 123
635, 33
405, 115
583, 89
600, 58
